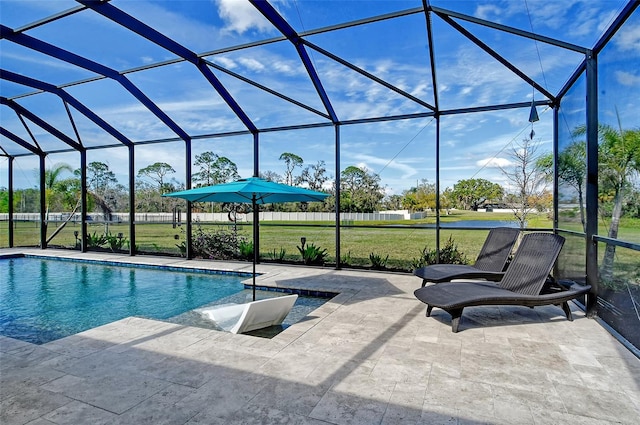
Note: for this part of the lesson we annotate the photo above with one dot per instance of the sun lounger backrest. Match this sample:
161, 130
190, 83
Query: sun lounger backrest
496, 249
532, 263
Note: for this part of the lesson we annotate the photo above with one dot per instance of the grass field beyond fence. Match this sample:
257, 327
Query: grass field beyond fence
401, 242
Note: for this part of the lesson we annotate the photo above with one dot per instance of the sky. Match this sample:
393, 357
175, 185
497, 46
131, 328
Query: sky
402, 152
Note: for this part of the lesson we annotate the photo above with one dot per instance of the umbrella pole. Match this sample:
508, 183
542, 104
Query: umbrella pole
255, 236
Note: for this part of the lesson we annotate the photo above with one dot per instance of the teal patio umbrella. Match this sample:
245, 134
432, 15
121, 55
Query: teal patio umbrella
254, 191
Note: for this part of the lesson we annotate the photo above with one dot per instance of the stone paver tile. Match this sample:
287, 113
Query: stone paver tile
579, 355
464, 395
10, 344
598, 404
161, 409
554, 418
355, 401
78, 346
405, 405
289, 396
22, 378
257, 415
515, 376
77, 412
222, 397
30, 405
40, 421
116, 393
191, 373
340, 408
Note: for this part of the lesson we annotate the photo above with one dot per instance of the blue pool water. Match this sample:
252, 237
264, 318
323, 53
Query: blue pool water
43, 300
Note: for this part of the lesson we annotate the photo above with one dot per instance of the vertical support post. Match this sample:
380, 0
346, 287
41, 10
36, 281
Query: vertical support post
437, 117
592, 180
10, 186
43, 204
83, 200
189, 228
132, 202
337, 203
256, 207
256, 235
555, 147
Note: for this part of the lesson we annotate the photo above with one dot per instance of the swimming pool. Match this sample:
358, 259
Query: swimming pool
42, 300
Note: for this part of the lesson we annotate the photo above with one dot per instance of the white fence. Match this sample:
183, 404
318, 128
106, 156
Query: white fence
224, 217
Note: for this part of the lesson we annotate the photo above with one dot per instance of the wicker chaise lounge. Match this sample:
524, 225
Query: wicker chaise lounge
489, 265
524, 283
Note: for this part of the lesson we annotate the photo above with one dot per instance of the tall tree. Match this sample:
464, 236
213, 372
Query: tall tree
214, 169
99, 178
360, 190
572, 171
420, 198
528, 178
53, 190
157, 172
270, 176
472, 193
291, 161
619, 164
315, 175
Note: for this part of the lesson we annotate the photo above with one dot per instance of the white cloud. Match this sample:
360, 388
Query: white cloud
225, 62
493, 162
252, 64
628, 79
241, 16
378, 165
629, 39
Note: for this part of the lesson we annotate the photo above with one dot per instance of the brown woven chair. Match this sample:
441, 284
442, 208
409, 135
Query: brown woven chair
524, 283
489, 265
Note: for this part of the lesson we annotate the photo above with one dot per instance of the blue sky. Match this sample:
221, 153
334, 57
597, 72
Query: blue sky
402, 152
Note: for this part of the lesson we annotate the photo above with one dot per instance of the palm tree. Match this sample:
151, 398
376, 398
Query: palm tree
51, 183
618, 163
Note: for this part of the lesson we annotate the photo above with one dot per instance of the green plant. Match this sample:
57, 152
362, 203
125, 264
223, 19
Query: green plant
377, 262
311, 254
449, 254
217, 244
246, 249
115, 242
278, 256
183, 248
346, 259
95, 240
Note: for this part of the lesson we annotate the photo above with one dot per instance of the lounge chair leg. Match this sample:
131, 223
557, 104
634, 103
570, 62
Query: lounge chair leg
456, 315
424, 282
429, 309
567, 311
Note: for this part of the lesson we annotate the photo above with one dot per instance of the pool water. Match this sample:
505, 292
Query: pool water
43, 300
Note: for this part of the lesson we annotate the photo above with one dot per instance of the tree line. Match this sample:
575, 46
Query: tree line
361, 190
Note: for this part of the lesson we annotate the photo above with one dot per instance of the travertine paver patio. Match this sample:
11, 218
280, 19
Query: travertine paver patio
369, 356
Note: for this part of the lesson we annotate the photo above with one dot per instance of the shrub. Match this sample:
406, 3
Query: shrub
95, 241
246, 250
449, 254
217, 244
115, 243
312, 255
346, 259
377, 262
278, 256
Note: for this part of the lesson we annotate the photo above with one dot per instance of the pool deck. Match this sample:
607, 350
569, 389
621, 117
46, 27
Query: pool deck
368, 356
